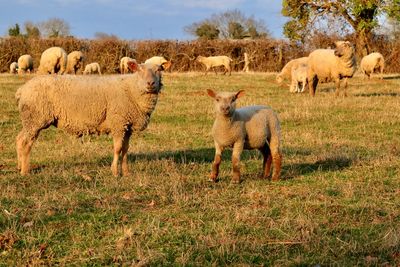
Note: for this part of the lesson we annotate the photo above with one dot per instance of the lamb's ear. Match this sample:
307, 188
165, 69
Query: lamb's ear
211, 93
239, 94
133, 66
166, 65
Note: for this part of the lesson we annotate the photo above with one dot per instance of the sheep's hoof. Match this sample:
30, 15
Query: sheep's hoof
213, 179
275, 178
235, 181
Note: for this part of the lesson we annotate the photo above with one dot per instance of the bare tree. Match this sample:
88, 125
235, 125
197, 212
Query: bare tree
105, 36
55, 27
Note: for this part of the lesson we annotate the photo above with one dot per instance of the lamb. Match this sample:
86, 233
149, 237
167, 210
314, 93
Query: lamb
53, 60
299, 76
329, 64
251, 127
74, 61
216, 61
25, 63
286, 71
123, 65
372, 62
88, 105
13, 68
92, 68
159, 61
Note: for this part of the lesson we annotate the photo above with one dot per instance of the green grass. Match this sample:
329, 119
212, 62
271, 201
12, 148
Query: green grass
338, 202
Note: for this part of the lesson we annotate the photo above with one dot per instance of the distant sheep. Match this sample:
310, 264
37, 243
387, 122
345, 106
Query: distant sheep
92, 68
53, 60
159, 61
328, 64
216, 61
13, 68
286, 72
25, 64
299, 77
88, 105
252, 127
369, 64
74, 61
123, 65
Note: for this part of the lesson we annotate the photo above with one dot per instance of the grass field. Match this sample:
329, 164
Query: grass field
338, 202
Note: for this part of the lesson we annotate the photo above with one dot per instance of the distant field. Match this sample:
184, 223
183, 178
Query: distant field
338, 202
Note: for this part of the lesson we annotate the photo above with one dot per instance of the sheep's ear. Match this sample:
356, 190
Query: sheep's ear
211, 93
166, 65
133, 66
239, 94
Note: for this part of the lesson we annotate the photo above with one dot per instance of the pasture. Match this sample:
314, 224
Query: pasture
338, 202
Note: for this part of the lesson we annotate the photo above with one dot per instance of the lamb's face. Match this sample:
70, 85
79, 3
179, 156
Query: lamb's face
150, 78
225, 102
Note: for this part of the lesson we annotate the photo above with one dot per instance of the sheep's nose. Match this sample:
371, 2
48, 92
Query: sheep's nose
151, 84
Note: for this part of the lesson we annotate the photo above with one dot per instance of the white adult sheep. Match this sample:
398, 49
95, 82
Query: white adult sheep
252, 127
53, 60
286, 72
216, 61
123, 65
93, 68
88, 105
299, 77
156, 60
329, 64
372, 62
74, 61
25, 64
13, 68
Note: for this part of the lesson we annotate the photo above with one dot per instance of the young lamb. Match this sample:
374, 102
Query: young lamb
93, 68
74, 61
299, 77
159, 61
115, 104
252, 127
25, 63
53, 60
329, 64
13, 68
123, 65
286, 72
372, 62
216, 61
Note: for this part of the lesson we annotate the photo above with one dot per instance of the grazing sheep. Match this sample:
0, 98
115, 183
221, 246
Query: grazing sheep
216, 61
13, 68
159, 61
123, 65
93, 68
252, 127
53, 60
328, 64
299, 76
88, 105
372, 62
286, 72
74, 61
25, 63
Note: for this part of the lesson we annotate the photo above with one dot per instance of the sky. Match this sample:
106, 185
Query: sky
135, 19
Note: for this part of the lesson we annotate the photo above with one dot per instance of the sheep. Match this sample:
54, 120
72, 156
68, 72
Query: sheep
74, 61
92, 68
159, 61
329, 64
53, 60
251, 127
123, 65
216, 61
25, 63
286, 71
88, 105
13, 68
299, 76
372, 62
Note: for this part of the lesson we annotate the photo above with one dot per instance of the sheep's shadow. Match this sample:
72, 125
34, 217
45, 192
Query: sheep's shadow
394, 77
393, 94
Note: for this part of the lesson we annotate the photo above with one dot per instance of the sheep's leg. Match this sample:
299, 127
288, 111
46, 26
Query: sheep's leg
216, 163
124, 154
118, 144
265, 151
381, 71
313, 85
337, 84
237, 151
276, 158
24, 146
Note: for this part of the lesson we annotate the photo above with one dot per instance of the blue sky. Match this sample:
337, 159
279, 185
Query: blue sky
134, 19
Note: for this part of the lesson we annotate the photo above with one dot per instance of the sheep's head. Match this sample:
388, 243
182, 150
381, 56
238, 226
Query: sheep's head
149, 76
344, 48
279, 79
225, 102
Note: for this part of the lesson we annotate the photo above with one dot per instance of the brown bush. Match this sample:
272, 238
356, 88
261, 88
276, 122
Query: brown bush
267, 54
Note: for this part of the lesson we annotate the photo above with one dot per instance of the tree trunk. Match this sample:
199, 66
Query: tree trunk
362, 43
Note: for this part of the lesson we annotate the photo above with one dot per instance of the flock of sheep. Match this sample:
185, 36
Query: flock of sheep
122, 104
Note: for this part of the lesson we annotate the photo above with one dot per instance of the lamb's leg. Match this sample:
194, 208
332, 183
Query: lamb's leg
124, 154
216, 163
24, 146
276, 158
237, 151
118, 144
265, 151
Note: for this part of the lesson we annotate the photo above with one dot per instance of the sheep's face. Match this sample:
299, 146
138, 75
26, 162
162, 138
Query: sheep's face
279, 79
344, 48
225, 102
149, 76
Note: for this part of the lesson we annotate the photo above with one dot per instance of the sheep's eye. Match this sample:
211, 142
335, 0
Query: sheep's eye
217, 99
